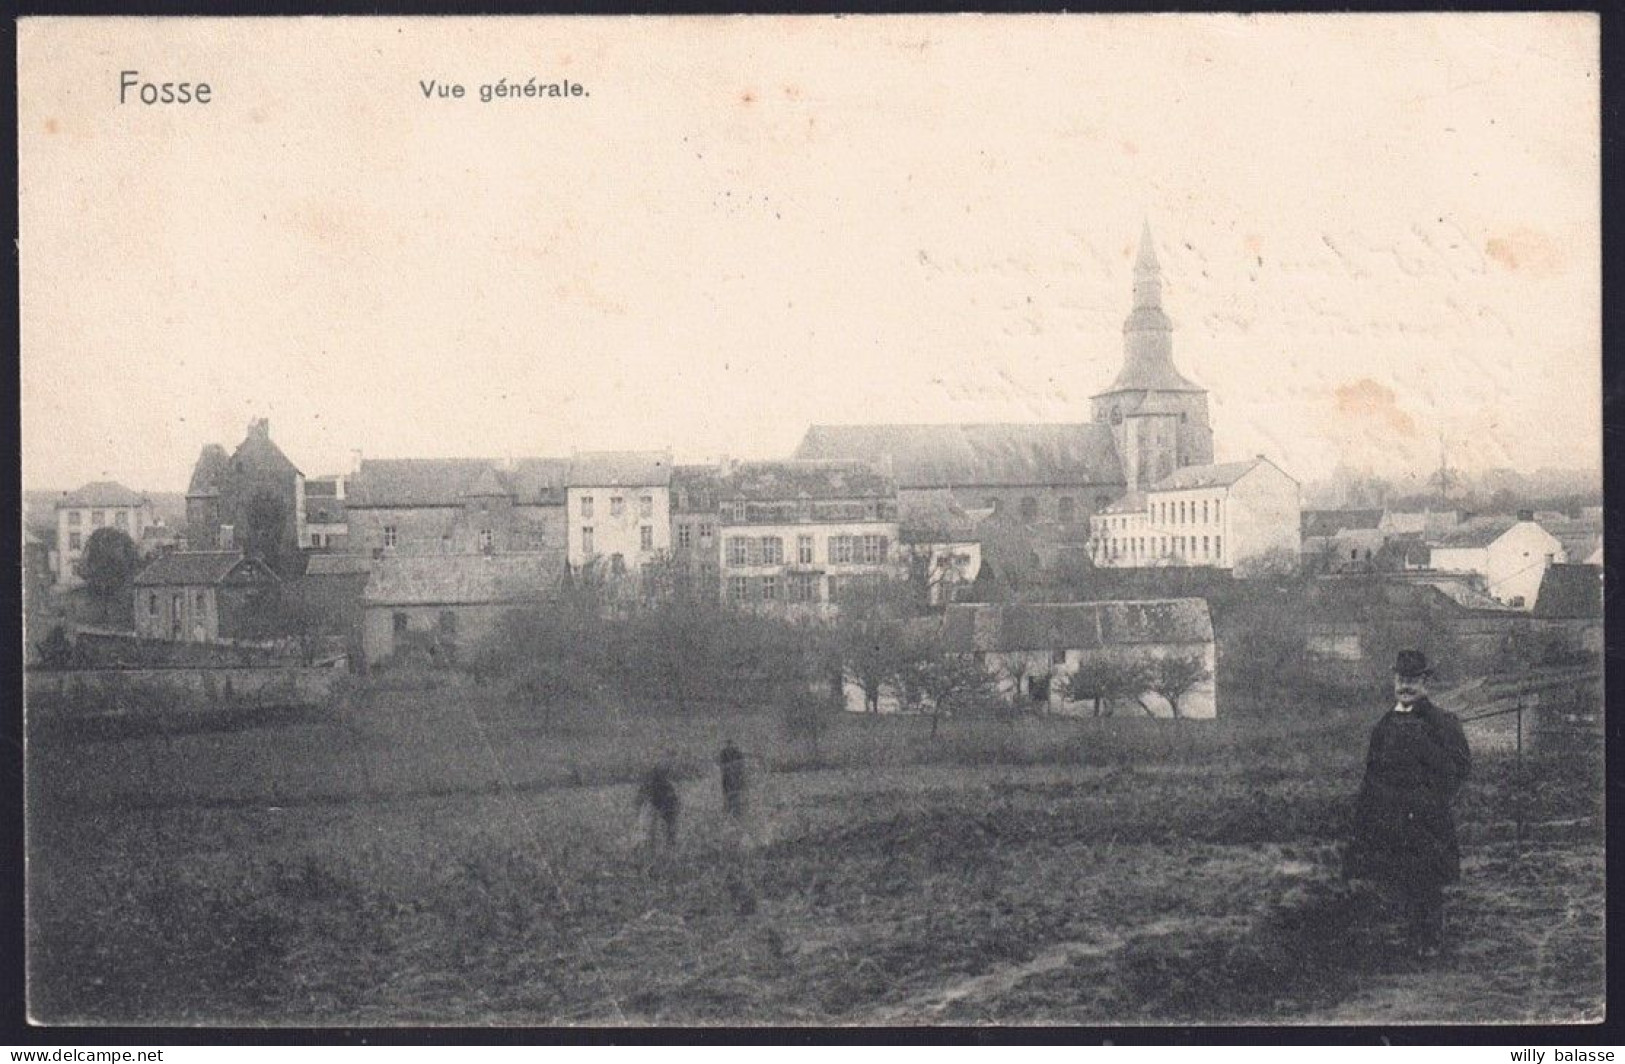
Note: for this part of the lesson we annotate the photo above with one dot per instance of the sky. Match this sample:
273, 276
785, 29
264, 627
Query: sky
1380, 235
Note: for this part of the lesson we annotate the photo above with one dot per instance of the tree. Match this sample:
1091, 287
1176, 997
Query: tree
109, 565
265, 521
56, 650
869, 631
1102, 681
1174, 676
943, 681
1276, 562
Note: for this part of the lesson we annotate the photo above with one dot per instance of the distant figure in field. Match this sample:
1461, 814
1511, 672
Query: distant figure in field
733, 779
658, 794
1404, 834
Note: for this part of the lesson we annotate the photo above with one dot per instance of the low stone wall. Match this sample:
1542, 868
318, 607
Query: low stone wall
156, 690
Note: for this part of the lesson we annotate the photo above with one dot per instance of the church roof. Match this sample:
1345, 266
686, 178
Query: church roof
988, 455
1154, 375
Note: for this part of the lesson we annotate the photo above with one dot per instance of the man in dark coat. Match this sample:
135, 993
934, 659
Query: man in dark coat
658, 794
1404, 833
732, 763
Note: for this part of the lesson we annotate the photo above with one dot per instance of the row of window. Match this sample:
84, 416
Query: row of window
1142, 547
841, 550
795, 588
804, 511
1169, 513
646, 538
685, 535
617, 505
98, 518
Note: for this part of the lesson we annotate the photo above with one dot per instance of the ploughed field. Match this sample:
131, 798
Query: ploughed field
433, 858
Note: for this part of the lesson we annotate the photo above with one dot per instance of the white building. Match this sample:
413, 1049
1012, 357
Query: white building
1224, 516
796, 534
618, 509
1511, 555
79, 513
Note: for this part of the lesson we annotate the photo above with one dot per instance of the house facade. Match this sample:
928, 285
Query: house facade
1031, 650
252, 500
695, 502
423, 506
325, 527
796, 535
439, 606
205, 597
1225, 516
618, 510
81, 512
1511, 554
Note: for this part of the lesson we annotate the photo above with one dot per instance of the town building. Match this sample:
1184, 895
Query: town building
695, 552
79, 513
205, 597
252, 500
942, 543
418, 506
797, 535
326, 527
1031, 650
618, 510
1509, 554
1228, 516
434, 607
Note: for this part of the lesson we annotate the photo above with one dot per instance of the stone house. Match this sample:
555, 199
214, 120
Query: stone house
1030, 649
79, 513
795, 535
443, 605
1511, 554
252, 500
695, 494
1225, 516
618, 509
205, 597
326, 527
420, 506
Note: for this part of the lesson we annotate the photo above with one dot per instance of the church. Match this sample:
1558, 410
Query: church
1113, 479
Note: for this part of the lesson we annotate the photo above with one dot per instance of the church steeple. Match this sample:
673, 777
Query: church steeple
1147, 273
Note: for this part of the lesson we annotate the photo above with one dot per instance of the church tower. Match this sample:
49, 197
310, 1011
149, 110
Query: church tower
1158, 418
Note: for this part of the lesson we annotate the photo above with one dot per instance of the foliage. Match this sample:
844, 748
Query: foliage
264, 533
56, 650
1102, 681
942, 682
109, 565
1174, 676
1276, 562
869, 630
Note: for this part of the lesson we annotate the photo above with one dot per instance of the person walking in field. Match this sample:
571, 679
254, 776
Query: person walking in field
657, 795
1404, 835
732, 763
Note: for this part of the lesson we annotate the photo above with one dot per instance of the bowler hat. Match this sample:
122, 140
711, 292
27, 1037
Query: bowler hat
1411, 663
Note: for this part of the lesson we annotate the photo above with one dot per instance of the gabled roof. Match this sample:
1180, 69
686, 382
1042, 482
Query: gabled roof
1075, 625
1479, 532
806, 479
1331, 522
945, 456
462, 579
209, 471
620, 469
1222, 474
452, 481
337, 564
197, 568
1570, 591
259, 449
102, 493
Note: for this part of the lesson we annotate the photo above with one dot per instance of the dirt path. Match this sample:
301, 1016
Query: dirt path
928, 1006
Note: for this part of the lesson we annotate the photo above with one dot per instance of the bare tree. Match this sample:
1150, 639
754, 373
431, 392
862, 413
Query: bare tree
943, 682
1174, 677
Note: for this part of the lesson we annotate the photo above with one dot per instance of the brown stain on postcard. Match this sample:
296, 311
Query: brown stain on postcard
1366, 400
1527, 251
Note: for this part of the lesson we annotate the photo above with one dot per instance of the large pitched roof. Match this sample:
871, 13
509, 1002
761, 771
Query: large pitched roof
944, 456
452, 481
462, 579
198, 567
1479, 532
337, 564
1570, 591
1221, 474
1331, 522
806, 479
620, 469
102, 493
210, 470
1075, 625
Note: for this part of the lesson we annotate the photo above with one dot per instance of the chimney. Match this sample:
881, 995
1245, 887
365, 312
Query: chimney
260, 427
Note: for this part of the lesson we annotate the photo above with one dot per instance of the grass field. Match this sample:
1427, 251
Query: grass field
433, 857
